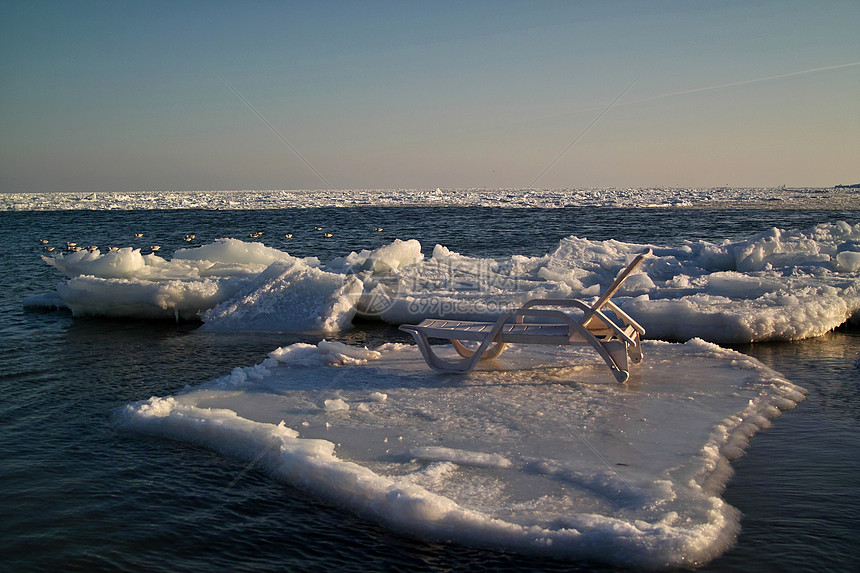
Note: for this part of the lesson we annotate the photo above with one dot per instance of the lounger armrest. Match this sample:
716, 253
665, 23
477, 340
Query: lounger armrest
522, 312
619, 332
518, 314
589, 313
554, 302
625, 317
570, 302
573, 326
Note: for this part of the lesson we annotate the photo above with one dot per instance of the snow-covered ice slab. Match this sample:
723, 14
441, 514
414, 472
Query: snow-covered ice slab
539, 451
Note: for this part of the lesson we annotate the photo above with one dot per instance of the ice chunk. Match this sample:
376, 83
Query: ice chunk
171, 299
289, 297
122, 263
336, 405
848, 261
234, 251
395, 256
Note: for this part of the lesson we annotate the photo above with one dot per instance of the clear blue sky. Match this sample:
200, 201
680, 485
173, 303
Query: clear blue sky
124, 96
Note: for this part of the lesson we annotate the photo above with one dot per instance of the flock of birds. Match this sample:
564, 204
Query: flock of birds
74, 247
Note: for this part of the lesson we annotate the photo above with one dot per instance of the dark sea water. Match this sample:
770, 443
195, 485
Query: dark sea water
78, 495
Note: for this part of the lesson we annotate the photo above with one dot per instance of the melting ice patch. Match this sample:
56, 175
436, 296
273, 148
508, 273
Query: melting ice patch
538, 452
778, 285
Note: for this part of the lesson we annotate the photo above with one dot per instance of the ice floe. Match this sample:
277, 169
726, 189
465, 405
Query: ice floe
777, 285
538, 452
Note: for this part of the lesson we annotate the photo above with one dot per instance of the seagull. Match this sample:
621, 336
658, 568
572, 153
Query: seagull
288, 236
327, 235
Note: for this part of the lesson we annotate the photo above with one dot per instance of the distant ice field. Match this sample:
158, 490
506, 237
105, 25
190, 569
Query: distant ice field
746, 198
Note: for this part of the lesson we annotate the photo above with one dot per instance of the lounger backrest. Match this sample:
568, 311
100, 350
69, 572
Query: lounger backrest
619, 280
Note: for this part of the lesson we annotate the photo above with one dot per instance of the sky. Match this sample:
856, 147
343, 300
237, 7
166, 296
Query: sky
143, 96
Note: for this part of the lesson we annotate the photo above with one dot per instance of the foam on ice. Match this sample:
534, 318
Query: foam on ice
777, 285
540, 452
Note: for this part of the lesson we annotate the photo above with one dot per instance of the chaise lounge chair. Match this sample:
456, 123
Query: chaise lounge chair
612, 339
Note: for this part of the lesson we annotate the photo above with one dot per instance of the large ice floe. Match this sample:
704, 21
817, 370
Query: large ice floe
539, 452
778, 285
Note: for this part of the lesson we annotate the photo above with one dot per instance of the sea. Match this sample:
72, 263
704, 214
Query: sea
80, 494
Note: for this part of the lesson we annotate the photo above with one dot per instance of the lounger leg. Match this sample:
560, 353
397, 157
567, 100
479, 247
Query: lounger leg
466, 352
440, 364
613, 352
618, 351
636, 351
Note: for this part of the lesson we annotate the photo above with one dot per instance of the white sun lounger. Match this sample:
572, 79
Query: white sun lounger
613, 339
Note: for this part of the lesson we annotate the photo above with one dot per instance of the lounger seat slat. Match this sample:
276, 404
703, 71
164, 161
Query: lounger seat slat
477, 330
612, 339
